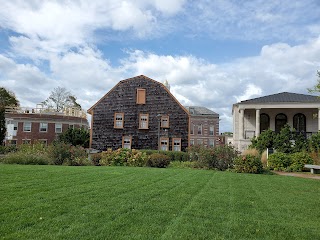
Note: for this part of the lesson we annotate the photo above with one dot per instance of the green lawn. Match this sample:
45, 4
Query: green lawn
59, 202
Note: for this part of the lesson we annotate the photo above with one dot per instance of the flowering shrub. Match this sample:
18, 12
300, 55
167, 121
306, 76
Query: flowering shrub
248, 164
137, 158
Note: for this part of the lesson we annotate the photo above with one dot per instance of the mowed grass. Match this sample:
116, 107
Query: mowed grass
59, 202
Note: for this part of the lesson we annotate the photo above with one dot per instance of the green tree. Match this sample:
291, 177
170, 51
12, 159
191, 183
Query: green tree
61, 98
7, 99
76, 137
264, 141
284, 140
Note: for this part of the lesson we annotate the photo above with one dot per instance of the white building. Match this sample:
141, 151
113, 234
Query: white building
253, 116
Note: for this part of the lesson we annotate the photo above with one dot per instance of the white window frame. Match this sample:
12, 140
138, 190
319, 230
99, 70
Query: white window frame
27, 126
56, 128
211, 130
43, 127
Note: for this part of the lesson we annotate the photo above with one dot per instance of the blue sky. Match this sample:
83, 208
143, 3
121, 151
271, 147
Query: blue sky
213, 53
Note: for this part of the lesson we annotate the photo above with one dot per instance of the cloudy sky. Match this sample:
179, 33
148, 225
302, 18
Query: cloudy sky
214, 53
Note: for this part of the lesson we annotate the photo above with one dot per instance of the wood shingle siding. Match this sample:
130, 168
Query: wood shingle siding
123, 98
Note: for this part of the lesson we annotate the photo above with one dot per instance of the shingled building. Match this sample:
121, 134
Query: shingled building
139, 113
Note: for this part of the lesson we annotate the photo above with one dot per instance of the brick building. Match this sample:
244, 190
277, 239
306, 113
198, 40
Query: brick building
204, 126
25, 125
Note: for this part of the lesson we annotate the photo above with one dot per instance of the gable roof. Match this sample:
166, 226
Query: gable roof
197, 110
90, 110
284, 97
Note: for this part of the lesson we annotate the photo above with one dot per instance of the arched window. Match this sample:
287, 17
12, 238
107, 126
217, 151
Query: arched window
281, 120
299, 122
264, 122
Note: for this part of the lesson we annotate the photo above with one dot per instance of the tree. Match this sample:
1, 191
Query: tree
76, 137
61, 98
316, 88
265, 140
7, 99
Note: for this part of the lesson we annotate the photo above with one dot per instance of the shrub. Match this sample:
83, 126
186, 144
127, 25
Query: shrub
251, 151
7, 149
315, 157
265, 140
279, 161
137, 158
174, 155
158, 160
36, 154
183, 164
220, 157
65, 154
314, 143
299, 159
248, 164
59, 153
95, 159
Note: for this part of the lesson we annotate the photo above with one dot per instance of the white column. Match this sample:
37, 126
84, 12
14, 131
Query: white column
257, 122
319, 119
241, 116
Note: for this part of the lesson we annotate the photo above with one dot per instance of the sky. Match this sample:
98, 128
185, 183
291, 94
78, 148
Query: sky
213, 53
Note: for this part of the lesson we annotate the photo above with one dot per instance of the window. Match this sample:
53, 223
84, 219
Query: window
199, 141
165, 121
26, 141
43, 127
264, 122
199, 129
141, 96
176, 144
299, 122
211, 142
58, 127
164, 144
15, 125
281, 120
126, 142
71, 126
191, 142
191, 128
12, 143
118, 120
211, 130
27, 126
143, 121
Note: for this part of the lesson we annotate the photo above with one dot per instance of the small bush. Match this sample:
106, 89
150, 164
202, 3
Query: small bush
173, 155
137, 158
7, 149
299, 159
279, 161
315, 157
95, 159
158, 160
251, 152
59, 153
248, 164
65, 154
35, 154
